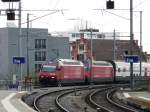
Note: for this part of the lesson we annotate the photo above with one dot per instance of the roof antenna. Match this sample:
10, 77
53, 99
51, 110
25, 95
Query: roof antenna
86, 27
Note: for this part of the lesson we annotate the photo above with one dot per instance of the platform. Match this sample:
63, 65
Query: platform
138, 99
10, 101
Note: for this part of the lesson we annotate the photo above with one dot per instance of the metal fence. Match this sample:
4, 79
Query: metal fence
16, 85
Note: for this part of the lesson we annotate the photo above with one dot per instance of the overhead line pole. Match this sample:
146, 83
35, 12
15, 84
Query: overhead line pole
91, 55
91, 30
114, 45
20, 38
131, 43
141, 49
27, 45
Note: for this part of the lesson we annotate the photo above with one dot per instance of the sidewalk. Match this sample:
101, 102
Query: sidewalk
10, 101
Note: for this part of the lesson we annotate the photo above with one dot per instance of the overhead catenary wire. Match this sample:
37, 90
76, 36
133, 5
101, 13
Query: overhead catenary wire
142, 2
42, 16
117, 15
106, 10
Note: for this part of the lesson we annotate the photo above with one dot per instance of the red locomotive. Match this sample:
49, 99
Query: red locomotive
67, 71
64, 71
99, 71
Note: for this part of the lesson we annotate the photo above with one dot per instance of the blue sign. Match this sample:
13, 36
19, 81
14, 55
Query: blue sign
131, 58
18, 60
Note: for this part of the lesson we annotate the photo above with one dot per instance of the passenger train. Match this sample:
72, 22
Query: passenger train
67, 71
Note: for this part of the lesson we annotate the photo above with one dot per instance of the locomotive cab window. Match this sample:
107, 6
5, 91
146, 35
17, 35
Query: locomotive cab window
124, 69
119, 69
87, 68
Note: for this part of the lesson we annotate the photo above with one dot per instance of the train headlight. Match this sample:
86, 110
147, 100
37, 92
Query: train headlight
53, 77
41, 76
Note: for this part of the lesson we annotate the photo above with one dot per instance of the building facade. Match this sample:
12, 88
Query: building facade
35, 45
104, 49
74, 35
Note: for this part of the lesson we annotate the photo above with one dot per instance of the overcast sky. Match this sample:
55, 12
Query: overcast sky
83, 11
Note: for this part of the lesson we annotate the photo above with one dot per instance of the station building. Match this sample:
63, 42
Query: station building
37, 47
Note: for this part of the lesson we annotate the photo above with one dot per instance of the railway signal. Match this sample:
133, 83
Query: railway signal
10, 14
110, 4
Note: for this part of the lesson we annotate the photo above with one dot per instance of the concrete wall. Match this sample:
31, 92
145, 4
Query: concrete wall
3, 53
58, 48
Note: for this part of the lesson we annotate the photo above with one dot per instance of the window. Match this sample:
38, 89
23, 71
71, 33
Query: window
49, 68
80, 57
43, 43
40, 43
126, 52
38, 67
100, 36
74, 35
124, 69
81, 47
101, 63
40, 56
71, 63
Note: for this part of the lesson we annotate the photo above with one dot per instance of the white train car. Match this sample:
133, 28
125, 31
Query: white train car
123, 71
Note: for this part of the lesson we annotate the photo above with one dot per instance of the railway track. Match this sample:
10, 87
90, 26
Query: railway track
54, 101
75, 100
46, 101
80, 99
103, 101
112, 98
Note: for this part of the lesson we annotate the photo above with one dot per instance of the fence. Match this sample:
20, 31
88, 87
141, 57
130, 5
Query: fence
16, 85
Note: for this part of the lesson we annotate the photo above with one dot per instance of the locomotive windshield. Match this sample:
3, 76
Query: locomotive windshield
49, 68
101, 63
71, 63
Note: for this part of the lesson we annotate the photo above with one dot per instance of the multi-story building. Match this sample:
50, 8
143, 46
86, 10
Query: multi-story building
35, 45
74, 35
